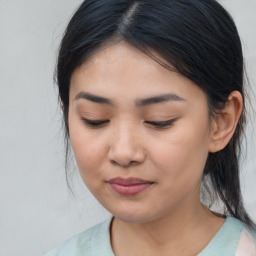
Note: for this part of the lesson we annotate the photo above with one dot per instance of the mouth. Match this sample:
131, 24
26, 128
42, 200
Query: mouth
130, 186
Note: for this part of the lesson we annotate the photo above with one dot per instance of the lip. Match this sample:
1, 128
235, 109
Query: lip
130, 186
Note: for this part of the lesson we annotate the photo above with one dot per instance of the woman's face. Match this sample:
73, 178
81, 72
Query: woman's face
140, 134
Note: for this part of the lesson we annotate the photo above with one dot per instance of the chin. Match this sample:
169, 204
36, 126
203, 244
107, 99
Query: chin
135, 216
132, 218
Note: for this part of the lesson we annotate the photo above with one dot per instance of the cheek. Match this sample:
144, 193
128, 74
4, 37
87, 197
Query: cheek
88, 150
89, 157
86, 154
182, 154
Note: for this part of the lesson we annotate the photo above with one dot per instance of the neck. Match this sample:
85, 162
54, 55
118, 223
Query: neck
182, 232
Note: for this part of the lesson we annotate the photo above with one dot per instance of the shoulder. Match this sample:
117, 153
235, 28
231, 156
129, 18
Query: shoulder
90, 242
233, 239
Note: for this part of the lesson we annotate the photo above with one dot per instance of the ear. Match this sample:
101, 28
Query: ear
224, 125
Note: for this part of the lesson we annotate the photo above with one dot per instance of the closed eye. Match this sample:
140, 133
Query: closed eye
94, 123
101, 123
162, 124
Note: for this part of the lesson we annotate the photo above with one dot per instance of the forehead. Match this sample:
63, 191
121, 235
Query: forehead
124, 71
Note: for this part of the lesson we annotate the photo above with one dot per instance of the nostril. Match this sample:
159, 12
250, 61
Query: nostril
133, 163
114, 162
127, 164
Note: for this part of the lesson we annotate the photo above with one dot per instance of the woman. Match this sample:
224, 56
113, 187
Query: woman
153, 101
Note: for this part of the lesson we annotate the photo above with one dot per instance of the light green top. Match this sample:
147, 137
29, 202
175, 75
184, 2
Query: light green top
233, 239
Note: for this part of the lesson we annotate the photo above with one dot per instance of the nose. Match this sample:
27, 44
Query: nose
126, 148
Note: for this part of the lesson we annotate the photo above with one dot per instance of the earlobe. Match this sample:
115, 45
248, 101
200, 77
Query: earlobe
226, 121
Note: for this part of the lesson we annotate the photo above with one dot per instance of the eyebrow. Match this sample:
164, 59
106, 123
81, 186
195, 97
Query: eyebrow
158, 99
93, 98
138, 102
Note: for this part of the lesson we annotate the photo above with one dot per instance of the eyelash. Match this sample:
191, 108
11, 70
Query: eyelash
94, 123
100, 123
163, 124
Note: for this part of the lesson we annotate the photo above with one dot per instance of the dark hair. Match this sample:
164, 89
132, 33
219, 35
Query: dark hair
197, 37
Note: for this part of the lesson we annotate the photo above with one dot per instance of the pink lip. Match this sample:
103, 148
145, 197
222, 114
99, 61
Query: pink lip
129, 187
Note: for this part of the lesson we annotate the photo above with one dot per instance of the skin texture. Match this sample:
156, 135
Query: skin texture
171, 158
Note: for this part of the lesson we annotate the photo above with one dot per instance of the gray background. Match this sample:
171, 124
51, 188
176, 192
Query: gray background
36, 209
